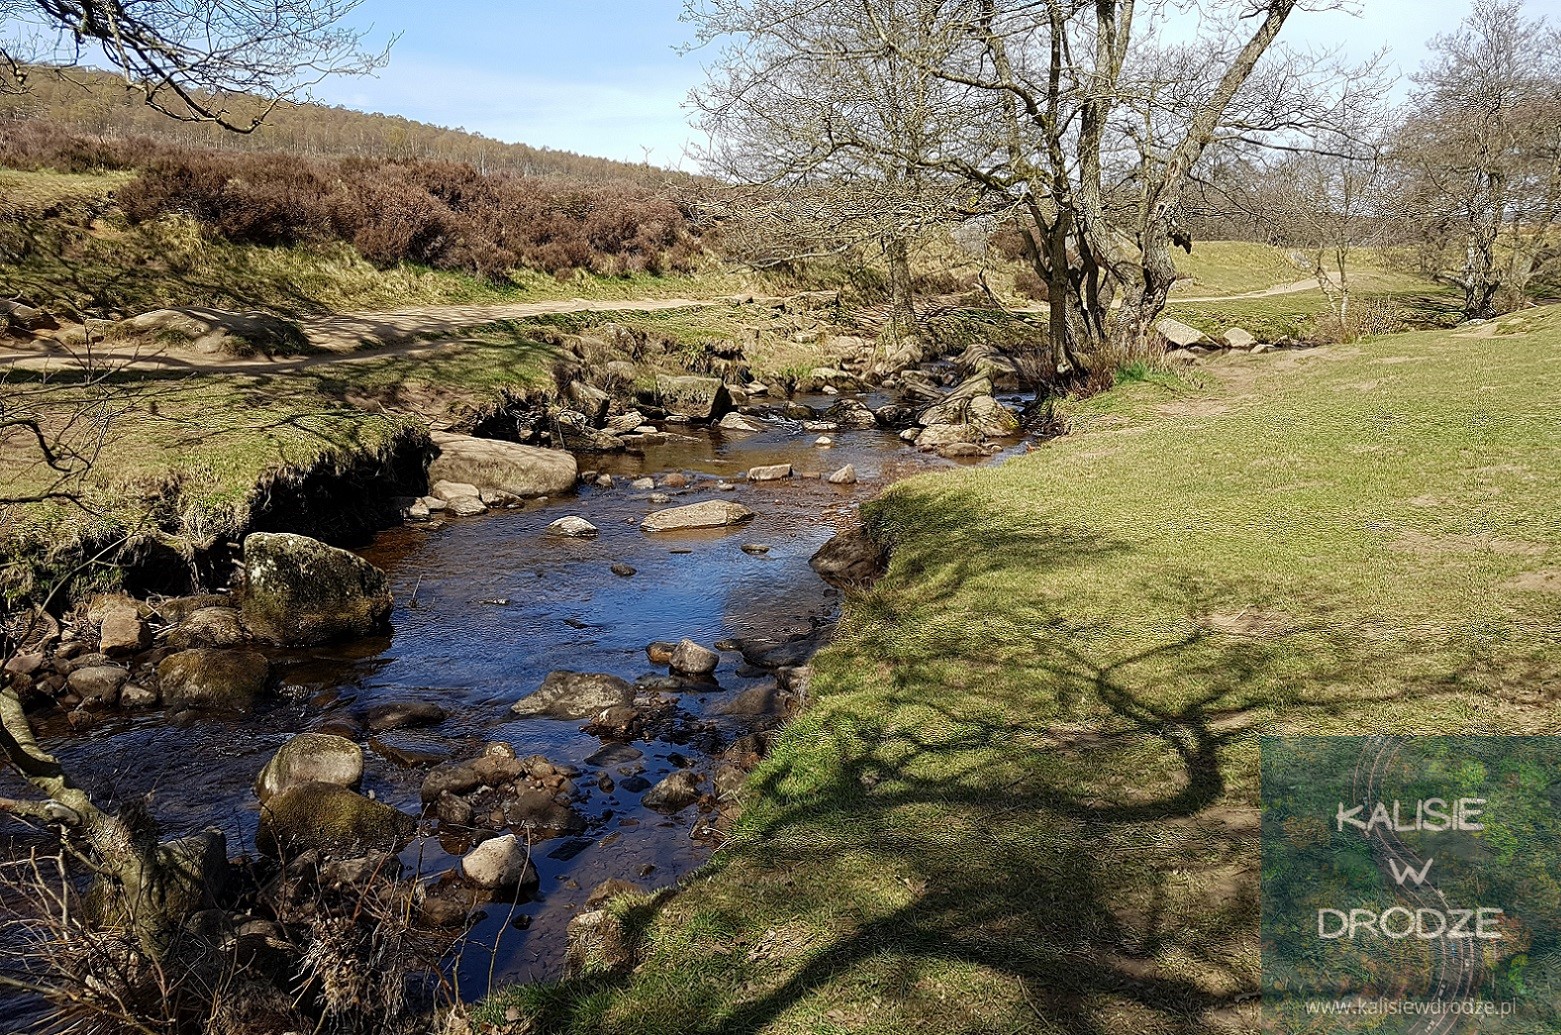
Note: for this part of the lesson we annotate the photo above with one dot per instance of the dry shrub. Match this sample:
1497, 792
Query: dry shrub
447, 215
335, 947
1367, 317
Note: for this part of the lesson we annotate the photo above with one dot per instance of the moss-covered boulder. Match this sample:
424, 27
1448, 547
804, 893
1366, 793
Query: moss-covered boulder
697, 398
300, 592
311, 758
223, 680
329, 819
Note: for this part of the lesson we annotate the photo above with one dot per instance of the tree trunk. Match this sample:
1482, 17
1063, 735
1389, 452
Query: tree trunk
142, 886
902, 300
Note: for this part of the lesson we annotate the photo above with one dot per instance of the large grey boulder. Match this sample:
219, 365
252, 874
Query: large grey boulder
691, 659
574, 695
311, 758
1179, 335
936, 435
709, 514
205, 677
98, 684
488, 464
1238, 338
972, 404
301, 592
698, 398
851, 413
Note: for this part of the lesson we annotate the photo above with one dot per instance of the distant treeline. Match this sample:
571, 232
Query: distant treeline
99, 104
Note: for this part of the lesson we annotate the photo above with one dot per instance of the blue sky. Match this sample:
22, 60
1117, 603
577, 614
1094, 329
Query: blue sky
603, 77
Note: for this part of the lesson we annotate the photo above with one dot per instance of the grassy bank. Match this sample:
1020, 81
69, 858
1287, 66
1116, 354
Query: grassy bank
1024, 796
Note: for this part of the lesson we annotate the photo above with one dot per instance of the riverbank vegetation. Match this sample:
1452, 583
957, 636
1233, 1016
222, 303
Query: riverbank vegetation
1024, 796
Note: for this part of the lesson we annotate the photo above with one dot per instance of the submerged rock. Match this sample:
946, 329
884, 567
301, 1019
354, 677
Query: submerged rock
709, 514
300, 592
400, 715
573, 527
741, 422
311, 758
205, 677
574, 695
673, 794
329, 819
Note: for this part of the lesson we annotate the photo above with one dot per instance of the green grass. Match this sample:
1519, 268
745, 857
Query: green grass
185, 458
1023, 798
28, 193
1296, 315
1234, 267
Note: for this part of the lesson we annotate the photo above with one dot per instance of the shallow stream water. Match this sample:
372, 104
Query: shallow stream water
488, 606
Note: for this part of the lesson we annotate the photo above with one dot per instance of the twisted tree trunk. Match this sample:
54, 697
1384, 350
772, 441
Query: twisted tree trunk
140, 885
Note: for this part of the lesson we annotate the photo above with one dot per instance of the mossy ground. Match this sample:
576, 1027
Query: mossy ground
1024, 796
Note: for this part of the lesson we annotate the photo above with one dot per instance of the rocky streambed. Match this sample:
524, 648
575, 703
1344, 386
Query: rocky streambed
562, 704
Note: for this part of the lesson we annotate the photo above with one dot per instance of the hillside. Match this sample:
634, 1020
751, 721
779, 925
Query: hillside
99, 104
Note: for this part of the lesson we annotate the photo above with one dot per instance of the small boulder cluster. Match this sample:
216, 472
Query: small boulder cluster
1185, 343
204, 652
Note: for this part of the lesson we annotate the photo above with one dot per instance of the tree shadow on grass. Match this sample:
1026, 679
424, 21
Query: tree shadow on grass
1066, 810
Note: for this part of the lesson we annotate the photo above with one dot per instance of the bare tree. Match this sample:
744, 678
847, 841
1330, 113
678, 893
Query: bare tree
192, 59
1081, 121
823, 131
1481, 155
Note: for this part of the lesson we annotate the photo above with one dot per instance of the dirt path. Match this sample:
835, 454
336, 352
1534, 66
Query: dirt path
1293, 288
342, 338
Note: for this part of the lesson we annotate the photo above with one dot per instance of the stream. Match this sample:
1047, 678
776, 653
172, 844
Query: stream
485, 608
